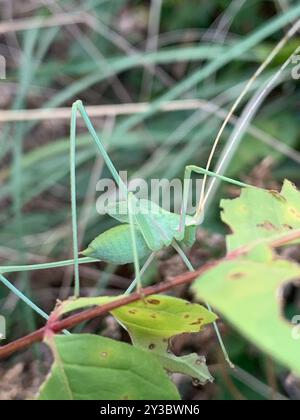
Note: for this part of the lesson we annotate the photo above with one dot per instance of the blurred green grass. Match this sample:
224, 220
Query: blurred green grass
203, 50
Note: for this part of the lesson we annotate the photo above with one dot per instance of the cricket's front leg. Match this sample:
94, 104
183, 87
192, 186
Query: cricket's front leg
186, 189
199, 215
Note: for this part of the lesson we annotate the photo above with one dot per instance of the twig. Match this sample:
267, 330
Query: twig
124, 109
95, 111
42, 22
185, 278
89, 314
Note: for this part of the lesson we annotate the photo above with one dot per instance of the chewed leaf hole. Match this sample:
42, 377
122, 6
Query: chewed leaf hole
295, 213
153, 301
198, 321
132, 312
267, 225
236, 275
291, 300
277, 195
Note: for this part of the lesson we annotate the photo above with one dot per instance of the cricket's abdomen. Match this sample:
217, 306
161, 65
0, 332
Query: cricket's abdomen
115, 246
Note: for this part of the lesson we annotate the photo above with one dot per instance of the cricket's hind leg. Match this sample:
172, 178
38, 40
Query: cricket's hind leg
216, 328
78, 106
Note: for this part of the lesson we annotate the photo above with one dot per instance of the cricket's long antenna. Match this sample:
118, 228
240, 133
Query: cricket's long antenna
243, 121
258, 72
216, 328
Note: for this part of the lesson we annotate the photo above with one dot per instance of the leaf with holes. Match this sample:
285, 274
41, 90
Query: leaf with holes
153, 322
260, 214
247, 291
88, 367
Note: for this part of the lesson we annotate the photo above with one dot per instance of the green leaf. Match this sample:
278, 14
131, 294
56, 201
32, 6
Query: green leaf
163, 316
247, 292
152, 322
88, 367
261, 214
247, 289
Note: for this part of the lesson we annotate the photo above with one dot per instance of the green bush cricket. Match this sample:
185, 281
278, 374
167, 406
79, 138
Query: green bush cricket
148, 227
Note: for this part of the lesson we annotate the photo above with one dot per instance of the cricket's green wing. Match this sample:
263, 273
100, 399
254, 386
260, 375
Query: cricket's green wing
114, 246
158, 226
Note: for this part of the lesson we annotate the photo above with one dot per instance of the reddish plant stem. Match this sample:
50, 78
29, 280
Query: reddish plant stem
89, 314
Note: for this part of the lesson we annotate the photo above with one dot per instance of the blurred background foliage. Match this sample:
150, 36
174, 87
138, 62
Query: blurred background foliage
111, 52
